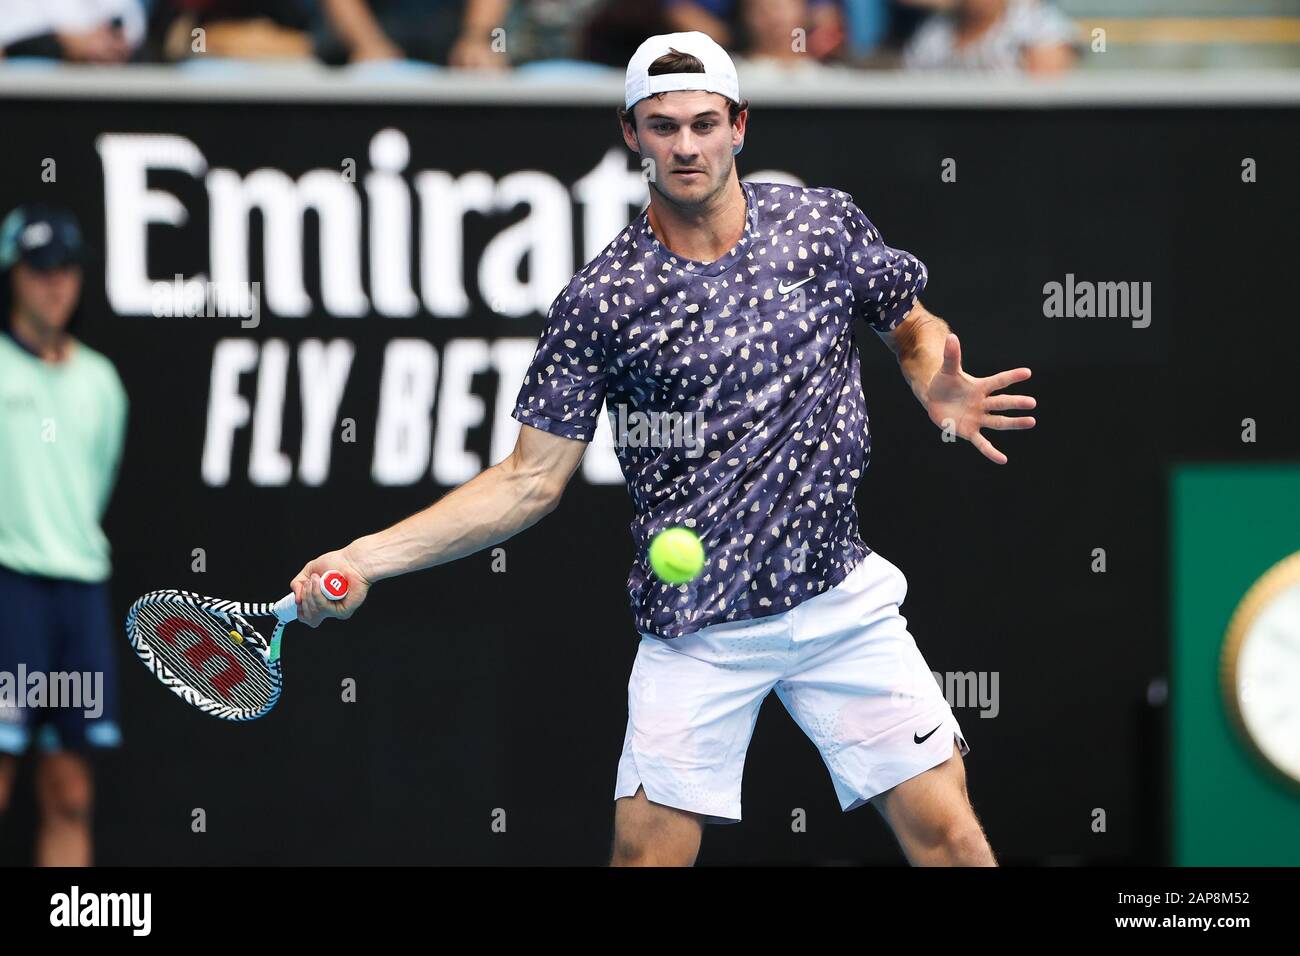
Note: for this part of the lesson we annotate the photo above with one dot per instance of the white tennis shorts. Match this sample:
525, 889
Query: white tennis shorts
842, 663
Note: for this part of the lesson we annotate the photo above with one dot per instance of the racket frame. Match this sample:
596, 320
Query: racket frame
283, 610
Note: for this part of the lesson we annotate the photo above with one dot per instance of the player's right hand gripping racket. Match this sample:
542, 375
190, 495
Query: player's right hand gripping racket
209, 653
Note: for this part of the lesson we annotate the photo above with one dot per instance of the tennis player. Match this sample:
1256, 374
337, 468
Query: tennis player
737, 302
62, 423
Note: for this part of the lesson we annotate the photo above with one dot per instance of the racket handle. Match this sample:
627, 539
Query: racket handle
286, 609
334, 585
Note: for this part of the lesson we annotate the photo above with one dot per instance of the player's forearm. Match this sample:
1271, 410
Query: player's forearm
491, 507
920, 350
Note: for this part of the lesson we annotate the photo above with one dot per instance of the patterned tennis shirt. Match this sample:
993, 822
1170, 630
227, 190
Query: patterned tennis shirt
734, 394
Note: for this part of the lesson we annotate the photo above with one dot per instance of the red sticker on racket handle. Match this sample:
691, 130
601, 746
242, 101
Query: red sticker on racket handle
334, 585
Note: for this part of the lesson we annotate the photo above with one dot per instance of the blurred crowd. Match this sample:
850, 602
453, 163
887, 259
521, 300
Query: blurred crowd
799, 40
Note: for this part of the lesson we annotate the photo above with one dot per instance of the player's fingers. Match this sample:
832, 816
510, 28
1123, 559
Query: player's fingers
301, 580
311, 602
987, 450
1003, 379
1002, 403
1005, 422
326, 606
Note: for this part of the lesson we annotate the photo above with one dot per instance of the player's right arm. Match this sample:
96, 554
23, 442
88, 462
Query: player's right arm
496, 504
557, 407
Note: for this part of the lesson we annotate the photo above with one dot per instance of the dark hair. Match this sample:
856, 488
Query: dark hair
677, 62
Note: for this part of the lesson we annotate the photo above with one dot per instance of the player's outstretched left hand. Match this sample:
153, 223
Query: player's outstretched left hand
314, 606
965, 404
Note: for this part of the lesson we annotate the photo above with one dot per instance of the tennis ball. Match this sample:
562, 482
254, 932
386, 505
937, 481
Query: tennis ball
676, 555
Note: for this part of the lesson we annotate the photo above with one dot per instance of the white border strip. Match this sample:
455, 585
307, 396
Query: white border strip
310, 83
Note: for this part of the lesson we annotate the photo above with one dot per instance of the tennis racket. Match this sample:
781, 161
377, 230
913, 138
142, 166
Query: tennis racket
209, 653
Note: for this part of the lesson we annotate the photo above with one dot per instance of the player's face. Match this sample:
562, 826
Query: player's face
688, 136
47, 297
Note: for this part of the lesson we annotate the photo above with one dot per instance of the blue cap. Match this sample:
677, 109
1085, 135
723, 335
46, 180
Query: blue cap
44, 237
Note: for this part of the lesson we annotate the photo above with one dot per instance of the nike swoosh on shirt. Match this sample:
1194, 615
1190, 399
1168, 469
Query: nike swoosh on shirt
918, 739
782, 288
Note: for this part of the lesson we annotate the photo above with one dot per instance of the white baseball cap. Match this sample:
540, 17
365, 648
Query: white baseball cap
719, 74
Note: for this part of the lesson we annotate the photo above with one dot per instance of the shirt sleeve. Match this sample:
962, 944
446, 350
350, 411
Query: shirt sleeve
566, 382
885, 281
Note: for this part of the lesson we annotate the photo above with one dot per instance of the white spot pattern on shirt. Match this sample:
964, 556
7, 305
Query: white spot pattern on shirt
785, 437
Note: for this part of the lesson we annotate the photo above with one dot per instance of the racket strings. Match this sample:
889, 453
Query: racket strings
196, 647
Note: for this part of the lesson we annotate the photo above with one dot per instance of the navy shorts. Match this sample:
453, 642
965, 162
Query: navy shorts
58, 672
